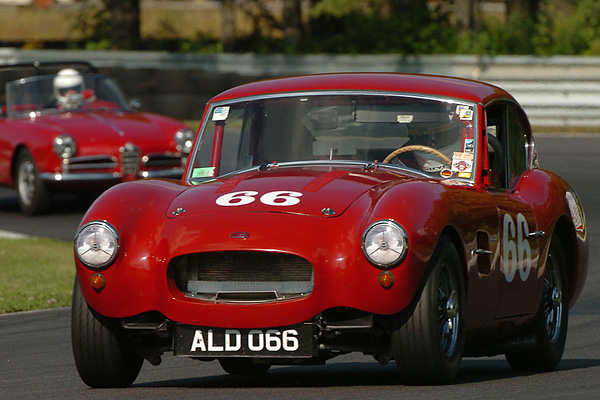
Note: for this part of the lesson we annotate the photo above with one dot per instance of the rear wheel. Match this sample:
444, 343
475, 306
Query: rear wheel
33, 195
428, 341
243, 366
551, 322
103, 356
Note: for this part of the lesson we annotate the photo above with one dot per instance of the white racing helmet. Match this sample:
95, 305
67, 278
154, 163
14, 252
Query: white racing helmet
68, 86
443, 136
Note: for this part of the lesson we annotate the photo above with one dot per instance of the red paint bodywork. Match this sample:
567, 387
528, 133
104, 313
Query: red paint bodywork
152, 235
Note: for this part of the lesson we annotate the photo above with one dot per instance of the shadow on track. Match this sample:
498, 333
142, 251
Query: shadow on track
354, 374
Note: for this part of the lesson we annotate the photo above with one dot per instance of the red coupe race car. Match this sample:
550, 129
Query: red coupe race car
65, 127
400, 216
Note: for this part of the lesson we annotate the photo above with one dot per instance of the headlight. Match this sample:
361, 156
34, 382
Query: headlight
184, 139
64, 146
385, 243
97, 244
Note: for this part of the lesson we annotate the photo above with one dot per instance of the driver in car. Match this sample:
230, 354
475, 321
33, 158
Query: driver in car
69, 90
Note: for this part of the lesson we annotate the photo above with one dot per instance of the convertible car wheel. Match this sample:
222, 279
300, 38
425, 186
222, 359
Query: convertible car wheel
428, 342
33, 195
551, 321
102, 355
243, 366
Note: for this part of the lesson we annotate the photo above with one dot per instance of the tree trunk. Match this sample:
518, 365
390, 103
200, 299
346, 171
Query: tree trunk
125, 24
228, 35
465, 14
292, 21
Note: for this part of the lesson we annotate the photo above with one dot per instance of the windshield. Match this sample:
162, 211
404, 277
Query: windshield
426, 135
46, 93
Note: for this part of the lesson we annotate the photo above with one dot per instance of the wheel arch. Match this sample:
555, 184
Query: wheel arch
13, 162
567, 236
453, 236
449, 234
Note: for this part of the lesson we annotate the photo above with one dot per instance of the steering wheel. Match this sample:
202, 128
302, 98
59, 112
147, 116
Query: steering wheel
418, 147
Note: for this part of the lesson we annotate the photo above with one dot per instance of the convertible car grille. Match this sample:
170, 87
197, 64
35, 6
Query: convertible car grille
162, 160
77, 164
130, 159
242, 276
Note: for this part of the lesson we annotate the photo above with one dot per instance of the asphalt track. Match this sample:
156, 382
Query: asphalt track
36, 360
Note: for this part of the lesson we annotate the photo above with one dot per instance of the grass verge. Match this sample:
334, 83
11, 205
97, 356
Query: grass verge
35, 273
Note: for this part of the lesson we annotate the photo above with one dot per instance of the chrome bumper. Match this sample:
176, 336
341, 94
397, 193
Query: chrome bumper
174, 173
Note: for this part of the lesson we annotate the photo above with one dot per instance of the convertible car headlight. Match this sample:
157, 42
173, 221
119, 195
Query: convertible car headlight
184, 139
385, 243
64, 146
97, 244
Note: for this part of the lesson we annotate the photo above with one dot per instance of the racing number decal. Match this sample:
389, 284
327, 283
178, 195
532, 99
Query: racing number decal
516, 250
277, 198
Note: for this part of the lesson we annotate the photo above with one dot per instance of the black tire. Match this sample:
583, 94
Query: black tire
428, 341
243, 366
31, 190
102, 355
551, 322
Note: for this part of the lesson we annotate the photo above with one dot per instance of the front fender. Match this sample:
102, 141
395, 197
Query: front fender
137, 211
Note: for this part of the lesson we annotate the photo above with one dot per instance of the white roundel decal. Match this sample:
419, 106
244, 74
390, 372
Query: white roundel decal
276, 198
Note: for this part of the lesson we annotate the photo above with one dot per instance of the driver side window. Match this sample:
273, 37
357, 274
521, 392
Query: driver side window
495, 133
507, 138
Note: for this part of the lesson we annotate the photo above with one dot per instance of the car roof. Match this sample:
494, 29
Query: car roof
458, 88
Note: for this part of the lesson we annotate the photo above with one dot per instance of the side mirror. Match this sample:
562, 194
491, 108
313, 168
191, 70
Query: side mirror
135, 104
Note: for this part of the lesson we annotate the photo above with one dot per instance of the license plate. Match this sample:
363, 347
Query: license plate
292, 341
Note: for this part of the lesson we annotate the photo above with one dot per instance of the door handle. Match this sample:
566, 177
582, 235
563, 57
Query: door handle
481, 251
536, 234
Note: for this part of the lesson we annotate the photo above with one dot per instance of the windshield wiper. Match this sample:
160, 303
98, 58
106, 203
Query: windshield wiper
371, 166
264, 166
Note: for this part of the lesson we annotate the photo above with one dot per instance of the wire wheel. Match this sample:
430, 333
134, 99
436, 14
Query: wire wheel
550, 324
428, 339
448, 311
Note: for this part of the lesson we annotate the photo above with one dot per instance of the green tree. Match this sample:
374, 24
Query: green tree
111, 24
571, 28
379, 26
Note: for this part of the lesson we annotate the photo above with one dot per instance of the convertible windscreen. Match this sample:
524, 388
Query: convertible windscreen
45, 94
427, 135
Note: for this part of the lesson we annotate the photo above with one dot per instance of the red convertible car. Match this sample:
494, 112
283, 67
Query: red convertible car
65, 127
400, 216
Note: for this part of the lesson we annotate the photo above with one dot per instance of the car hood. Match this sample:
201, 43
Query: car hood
104, 126
305, 190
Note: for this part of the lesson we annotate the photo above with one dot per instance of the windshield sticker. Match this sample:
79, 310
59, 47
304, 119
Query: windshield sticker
404, 119
220, 113
446, 173
462, 163
203, 172
465, 113
470, 145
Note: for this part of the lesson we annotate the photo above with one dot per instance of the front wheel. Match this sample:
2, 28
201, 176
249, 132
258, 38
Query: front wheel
428, 340
33, 195
103, 356
551, 322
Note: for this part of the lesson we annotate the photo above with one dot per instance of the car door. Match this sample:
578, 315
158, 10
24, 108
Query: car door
509, 136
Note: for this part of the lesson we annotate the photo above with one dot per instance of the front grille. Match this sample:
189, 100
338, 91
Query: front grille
243, 276
130, 159
162, 160
90, 163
